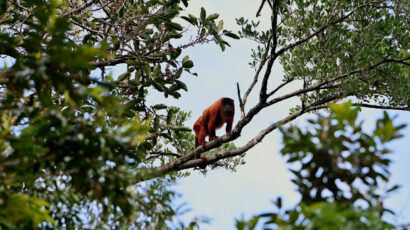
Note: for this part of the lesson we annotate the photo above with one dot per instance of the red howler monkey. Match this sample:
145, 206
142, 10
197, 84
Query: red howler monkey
222, 111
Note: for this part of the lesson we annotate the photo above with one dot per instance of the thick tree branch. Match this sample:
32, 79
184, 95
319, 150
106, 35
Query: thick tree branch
188, 160
272, 58
261, 65
232, 153
176, 164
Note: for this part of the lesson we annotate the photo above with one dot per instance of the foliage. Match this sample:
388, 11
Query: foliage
320, 215
337, 49
74, 139
338, 169
360, 41
337, 159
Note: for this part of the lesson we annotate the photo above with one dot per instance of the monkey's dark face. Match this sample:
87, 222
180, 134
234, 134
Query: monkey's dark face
228, 109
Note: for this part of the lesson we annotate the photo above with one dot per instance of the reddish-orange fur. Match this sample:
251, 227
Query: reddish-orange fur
222, 111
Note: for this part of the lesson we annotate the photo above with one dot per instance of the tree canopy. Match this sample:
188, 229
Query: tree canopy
340, 172
82, 148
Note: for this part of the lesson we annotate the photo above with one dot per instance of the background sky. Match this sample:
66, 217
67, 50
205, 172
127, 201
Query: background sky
224, 195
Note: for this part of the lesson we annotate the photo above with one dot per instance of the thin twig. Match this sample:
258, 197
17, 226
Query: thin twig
325, 83
241, 105
156, 154
255, 78
280, 86
381, 106
80, 8
260, 8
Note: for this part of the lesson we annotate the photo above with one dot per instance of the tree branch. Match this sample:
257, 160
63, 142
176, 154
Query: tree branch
260, 8
188, 160
80, 8
325, 83
241, 123
156, 154
381, 106
251, 143
241, 105
124, 59
280, 86
255, 78
272, 58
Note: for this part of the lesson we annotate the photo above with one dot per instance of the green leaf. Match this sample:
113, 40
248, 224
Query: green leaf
76, 19
171, 13
166, 135
136, 44
175, 53
122, 11
231, 35
147, 69
160, 106
157, 71
203, 15
124, 76
188, 19
174, 26
193, 19
182, 85
157, 86
222, 45
212, 17
183, 129
278, 202
394, 188
220, 25
188, 64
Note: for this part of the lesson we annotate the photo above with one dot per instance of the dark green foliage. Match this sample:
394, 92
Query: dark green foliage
336, 166
72, 142
335, 155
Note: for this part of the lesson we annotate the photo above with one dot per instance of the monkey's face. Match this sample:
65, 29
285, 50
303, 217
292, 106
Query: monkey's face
228, 109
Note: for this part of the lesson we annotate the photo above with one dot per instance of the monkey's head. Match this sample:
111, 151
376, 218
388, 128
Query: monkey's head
228, 106
228, 109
